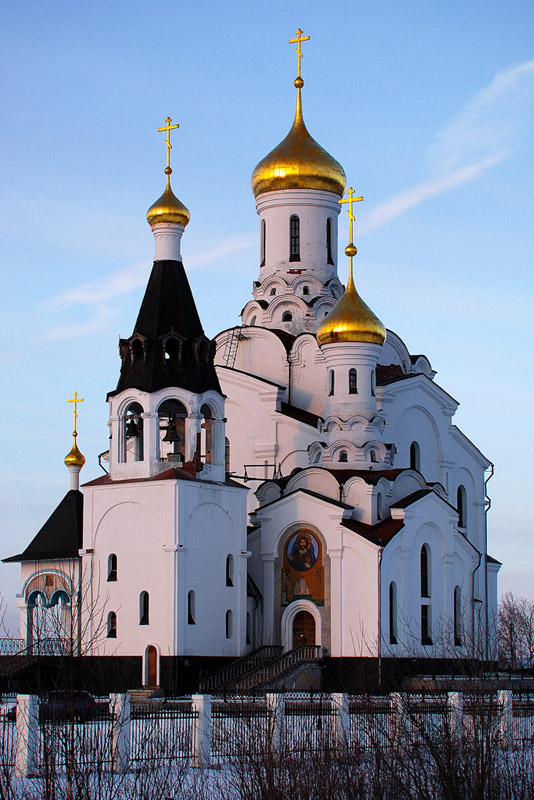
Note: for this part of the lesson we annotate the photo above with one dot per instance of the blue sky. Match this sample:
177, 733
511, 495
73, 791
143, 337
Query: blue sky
428, 106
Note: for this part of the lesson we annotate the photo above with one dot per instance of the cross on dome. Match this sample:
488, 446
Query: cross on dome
299, 41
350, 200
168, 127
75, 400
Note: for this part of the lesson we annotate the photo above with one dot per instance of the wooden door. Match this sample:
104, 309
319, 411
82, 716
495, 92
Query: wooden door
152, 656
303, 629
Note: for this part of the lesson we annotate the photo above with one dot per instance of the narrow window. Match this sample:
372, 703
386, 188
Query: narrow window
425, 571
379, 509
191, 610
131, 440
273, 291
373, 456
294, 238
287, 316
253, 320
461, 505
305, 290
137, 351
415, 456
331, 382
393, 613
206, 428
143, 608
112, 567
343, 457
229, 624
112, 625
226, 454
263, 242
373, 383
249, 627
426, 637
329, 258
457, 616
353, 381
229, 570
172, 349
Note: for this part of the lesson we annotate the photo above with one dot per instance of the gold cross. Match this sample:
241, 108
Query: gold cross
299, 39
168, 127
76, 400
350, 200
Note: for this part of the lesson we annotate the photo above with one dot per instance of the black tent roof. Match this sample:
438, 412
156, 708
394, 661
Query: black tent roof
61, 535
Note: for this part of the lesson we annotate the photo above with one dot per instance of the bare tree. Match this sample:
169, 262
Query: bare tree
516, 631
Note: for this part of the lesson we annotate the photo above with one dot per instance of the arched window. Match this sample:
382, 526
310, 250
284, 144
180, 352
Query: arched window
191, 608
426, 634
425, 571
272, 292
287, 316
379, 509
206, 427
171, 423
331, 382
461, 505
131, 441
353, 381
112, 567
415, 456
249, 628
263, 242
393, 613
343, 457
111, 625
329, 257
373, 382
294, 238
137, 351
229, 624
171, 349
305, 290
373, 456
143, 609
229, 570
457, 616
253, 320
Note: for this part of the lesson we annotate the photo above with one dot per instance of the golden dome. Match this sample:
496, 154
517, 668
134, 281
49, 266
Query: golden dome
168, 208
75, 458
298, 162
351, 320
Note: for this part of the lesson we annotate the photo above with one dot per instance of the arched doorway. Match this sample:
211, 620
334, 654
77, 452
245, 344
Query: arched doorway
303, 629
152, 666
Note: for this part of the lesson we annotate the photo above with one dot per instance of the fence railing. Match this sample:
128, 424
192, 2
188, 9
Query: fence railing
201, 729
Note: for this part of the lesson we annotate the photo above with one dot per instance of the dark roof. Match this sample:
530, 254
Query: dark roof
61, 535
252, 589
492, 560
168, 310
299, 414
309, 492
286, 338
413, 498
388, 373
380, 534
174, 473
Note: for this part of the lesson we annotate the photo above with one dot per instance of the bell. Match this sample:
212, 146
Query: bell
171, 434
132, 430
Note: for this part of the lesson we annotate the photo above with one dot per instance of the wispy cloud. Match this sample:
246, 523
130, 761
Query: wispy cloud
483, 133
98, 294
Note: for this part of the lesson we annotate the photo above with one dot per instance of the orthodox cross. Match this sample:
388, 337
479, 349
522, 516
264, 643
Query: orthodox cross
299, 40
76, 400
351, 200
168, 127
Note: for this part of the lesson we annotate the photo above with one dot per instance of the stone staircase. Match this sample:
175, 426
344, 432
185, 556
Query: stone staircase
227, 677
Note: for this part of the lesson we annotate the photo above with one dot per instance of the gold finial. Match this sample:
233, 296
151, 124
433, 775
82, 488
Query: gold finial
168, 127
299, 41
75, 457
350, 249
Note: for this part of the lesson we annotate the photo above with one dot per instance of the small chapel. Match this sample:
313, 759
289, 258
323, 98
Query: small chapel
287, 504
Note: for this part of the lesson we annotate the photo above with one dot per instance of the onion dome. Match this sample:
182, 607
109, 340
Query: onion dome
298, 162
75, 458
168, 208
351, 320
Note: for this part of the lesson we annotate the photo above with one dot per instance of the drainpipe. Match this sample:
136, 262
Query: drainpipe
380, 551
289, 378
487, 499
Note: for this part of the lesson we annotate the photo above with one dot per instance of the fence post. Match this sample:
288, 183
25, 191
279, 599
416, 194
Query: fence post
119, 707
201, 703
340, 704
455, 707
26, 755
275, 704
400, 718
504, 705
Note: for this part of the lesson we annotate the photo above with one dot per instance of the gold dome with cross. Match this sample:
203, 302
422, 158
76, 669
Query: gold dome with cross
168, 208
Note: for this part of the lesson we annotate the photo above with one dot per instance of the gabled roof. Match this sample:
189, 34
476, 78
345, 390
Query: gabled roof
62, 534
172, 474
168, 309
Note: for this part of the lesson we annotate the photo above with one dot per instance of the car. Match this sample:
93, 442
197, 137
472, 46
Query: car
74, 705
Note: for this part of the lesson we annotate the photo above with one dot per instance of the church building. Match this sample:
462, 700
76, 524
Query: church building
294, 487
